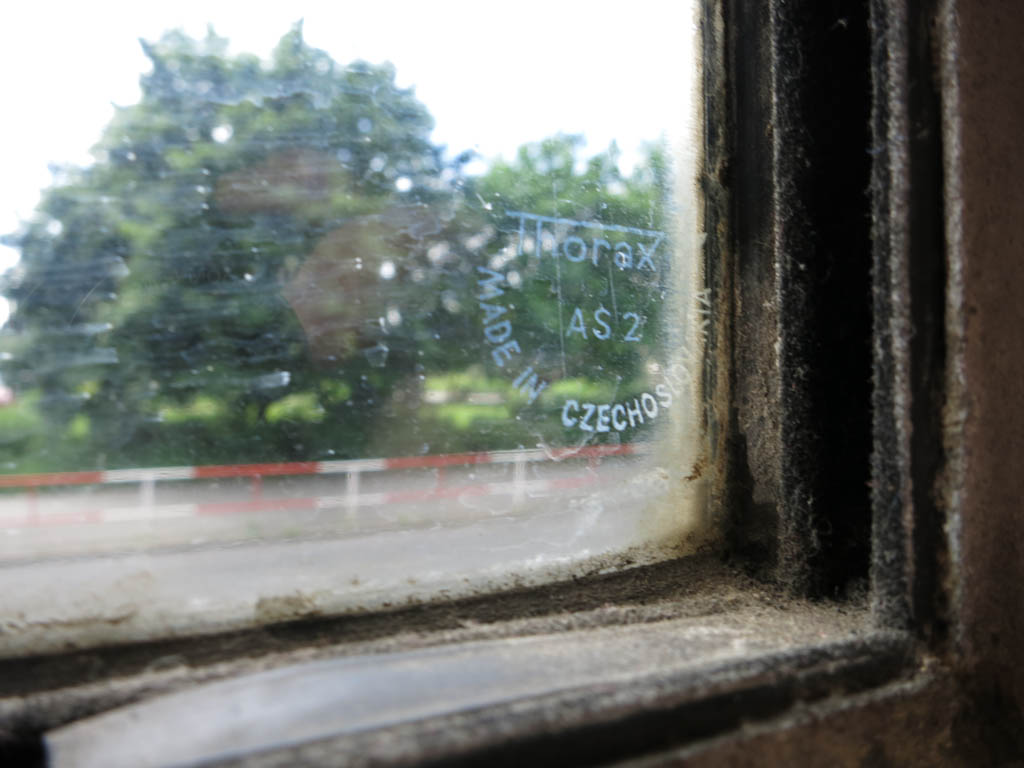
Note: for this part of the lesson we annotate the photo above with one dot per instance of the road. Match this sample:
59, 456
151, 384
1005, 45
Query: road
479, 529
115, 519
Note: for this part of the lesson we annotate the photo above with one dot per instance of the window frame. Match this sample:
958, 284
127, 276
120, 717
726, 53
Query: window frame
914, 670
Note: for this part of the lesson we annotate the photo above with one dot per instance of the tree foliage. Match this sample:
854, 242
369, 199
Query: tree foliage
271, 261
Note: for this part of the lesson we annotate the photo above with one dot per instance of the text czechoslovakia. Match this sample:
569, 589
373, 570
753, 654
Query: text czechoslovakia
618, 253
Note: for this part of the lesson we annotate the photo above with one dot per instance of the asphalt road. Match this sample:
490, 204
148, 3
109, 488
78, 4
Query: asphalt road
196, 514
146, 578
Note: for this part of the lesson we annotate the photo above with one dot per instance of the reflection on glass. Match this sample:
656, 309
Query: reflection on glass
274, 312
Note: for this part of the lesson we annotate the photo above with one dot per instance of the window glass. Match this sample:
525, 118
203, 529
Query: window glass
302, 317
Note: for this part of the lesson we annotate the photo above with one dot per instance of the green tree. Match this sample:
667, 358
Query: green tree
271, 261
222, 257
587, 311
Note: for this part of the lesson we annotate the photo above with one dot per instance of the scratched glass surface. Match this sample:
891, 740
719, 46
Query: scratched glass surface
292, 330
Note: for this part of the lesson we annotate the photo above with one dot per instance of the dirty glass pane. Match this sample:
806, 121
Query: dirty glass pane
303, 317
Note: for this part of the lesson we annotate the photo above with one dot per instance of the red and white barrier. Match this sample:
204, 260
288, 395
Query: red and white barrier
30, 516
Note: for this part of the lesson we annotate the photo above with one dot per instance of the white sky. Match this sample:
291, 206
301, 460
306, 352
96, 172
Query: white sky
493, 75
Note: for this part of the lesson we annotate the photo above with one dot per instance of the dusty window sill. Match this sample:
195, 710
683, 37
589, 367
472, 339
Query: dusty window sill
457, 678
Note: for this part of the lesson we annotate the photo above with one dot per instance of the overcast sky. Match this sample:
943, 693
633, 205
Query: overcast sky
493, 75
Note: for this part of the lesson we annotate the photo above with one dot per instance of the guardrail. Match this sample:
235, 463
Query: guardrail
352, 469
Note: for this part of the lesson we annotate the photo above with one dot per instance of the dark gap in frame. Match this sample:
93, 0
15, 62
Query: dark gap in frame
801, 107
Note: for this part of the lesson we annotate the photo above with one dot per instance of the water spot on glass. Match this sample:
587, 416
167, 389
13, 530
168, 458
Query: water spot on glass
436, 253
247, 277
344, 155
477, 241
394, 316
54, 228
450, 302
365, 125
323, 67
403, 183
377, 163
130, 157
499, 260
271, 380
222, 133
387, 270
359, 262
377, 355
513, 278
